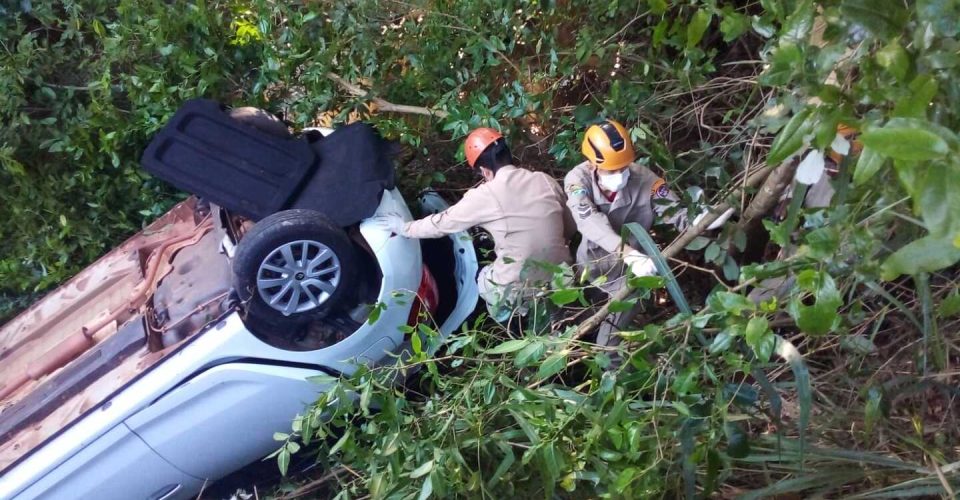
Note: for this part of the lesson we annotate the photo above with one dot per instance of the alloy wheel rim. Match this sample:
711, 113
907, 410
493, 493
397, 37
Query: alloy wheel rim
298, 276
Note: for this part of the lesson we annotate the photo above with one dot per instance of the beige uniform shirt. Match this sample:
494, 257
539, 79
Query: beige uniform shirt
524, 212
600, 220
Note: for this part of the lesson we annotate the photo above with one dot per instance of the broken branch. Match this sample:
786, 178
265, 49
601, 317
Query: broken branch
384, 105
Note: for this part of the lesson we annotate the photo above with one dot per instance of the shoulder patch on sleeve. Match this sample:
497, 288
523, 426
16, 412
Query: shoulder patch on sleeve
659, 189
576, 190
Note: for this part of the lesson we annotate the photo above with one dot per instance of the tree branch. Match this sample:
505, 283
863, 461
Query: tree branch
383, 105
769, 193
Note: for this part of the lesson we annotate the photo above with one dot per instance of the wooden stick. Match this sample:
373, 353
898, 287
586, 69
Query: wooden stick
383, 105
769, 193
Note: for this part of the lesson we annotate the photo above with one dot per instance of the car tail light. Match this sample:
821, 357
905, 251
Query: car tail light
428, 296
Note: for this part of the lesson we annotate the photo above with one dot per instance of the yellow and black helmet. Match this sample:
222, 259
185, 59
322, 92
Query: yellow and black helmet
607, 145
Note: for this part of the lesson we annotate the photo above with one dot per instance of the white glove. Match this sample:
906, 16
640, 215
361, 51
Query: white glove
640, 264
715, 224
390, 221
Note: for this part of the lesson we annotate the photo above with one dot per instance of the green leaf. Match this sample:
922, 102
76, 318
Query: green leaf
552, 365
415, 343
565, 296
617, 306
344, 439
939, 200
731, 271
280, 436
375, 312
698, 243
790, 139
942, 59
283, 461
950, 306
530, 353
906, 142
821, 317
721, 342
858, 343
942, 15
733, 25
815, 319
657, 6
883, 18
624, 479
423, 470
797, 27
712, 252
894, 59
697, 27
872, 410
785, 60
923, 89
660, 32
427, 489
868, 165
757, 327
510, 346
508, 460
728, 302
928, 254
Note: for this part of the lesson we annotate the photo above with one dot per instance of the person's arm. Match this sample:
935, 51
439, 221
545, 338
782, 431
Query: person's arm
678, 216
667, 206
593, 224
474, 209
569, 225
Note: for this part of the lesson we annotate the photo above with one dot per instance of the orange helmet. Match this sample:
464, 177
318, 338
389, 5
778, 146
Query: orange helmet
853, 136
608, 146
479, 140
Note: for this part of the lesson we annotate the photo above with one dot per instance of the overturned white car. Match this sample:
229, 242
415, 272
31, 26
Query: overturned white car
173, 359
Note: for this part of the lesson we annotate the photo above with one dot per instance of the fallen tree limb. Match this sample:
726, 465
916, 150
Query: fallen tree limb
678, 244
769, 193
384, 105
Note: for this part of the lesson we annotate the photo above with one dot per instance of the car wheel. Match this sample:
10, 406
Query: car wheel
293, 266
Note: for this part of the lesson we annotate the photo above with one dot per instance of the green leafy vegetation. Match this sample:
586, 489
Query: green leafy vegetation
844, 385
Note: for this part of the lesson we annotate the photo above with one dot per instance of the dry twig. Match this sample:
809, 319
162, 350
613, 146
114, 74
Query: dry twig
384, 105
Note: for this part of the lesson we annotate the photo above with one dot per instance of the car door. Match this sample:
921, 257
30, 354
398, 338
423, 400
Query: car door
117, 465
224, 417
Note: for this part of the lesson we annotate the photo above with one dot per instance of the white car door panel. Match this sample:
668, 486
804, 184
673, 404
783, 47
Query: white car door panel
118, 465
225, 417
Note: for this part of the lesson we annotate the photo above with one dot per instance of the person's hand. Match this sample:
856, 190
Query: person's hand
390, 221
715, 224
639, 264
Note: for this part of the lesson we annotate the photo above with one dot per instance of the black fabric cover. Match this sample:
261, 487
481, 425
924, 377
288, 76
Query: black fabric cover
203, 151
249, 172
356, 165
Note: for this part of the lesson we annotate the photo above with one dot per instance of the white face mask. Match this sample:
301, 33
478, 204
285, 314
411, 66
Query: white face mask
614, 182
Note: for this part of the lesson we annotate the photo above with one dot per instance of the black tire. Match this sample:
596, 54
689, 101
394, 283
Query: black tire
311, 288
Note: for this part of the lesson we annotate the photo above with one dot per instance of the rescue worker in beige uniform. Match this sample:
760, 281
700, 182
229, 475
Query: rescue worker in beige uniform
524, 212
606, 192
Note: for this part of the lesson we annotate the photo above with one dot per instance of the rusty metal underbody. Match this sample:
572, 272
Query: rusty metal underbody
118, 317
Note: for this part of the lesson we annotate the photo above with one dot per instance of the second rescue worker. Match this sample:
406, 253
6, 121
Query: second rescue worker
608, 191
524, 212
